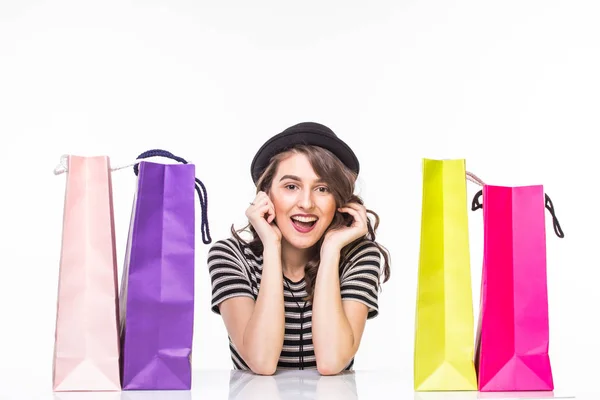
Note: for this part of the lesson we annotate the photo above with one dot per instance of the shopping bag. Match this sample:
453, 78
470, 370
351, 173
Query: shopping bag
157, 286
513, 330
444, 328
86, 346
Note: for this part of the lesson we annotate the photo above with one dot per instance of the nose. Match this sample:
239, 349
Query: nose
305, 200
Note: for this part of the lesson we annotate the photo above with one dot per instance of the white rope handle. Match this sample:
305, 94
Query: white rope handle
126, 165
63, 165
475, 179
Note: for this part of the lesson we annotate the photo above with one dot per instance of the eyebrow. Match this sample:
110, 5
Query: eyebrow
296, 178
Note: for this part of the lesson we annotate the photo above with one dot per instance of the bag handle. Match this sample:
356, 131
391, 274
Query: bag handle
62, 168
199, 186
476, 205
557, 229
474, 178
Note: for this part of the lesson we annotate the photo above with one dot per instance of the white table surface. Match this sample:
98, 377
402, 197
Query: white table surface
215, 385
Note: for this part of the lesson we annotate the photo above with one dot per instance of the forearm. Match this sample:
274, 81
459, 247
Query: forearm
333, 338
263, 336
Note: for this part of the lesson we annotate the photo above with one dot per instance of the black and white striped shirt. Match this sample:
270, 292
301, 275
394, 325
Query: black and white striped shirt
236, 271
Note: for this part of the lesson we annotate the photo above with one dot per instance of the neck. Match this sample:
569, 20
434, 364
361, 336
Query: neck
293, 261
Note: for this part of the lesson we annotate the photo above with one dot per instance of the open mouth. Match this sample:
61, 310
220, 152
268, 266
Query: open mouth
304, 224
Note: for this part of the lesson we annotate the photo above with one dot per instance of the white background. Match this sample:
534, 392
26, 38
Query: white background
513, 87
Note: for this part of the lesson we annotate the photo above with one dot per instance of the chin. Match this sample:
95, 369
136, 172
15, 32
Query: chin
304, 243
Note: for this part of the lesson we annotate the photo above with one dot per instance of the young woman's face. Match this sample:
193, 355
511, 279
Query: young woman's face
304, 206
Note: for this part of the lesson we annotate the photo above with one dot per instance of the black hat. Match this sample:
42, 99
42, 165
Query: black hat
309, 133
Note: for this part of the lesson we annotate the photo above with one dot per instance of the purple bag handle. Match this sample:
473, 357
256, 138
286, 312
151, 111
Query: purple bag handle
200, 189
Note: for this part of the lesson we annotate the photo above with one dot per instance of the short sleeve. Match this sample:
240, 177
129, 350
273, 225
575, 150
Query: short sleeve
360, 276
228, 274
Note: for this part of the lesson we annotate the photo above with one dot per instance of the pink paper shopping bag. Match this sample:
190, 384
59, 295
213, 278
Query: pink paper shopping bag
86, 349
513, 332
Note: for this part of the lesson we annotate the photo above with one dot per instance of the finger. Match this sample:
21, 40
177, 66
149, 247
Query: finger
261, 210
271, 213
263, 196
257, 198
360, 208
357, 216
268, 200
260, 200
349, 210
356, 206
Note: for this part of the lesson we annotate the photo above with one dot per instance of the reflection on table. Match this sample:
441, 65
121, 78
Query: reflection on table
487, 395
307, 384
299, 385
127, 395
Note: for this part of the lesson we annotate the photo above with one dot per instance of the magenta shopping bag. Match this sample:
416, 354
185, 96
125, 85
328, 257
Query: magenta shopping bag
157, 289
513, 332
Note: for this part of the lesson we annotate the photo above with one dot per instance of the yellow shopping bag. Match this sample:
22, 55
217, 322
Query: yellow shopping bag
444, 330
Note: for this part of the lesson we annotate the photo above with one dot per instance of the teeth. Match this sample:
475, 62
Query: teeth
304, 219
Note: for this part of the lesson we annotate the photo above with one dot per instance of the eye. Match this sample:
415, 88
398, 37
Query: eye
323, 189
290, 186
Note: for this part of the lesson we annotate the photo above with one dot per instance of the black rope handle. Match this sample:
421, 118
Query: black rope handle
199, 186
476, 205
557, 229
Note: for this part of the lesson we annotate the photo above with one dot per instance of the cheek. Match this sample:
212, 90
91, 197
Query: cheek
281, 205
328, 209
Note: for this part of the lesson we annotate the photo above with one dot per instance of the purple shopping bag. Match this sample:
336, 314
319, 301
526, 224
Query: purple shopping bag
157, 289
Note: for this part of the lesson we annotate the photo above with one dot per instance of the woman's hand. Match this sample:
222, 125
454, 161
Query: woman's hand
261, 215
336, 239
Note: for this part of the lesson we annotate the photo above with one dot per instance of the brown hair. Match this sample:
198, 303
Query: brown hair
341, 182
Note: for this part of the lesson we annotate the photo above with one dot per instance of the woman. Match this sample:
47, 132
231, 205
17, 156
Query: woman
298, 294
